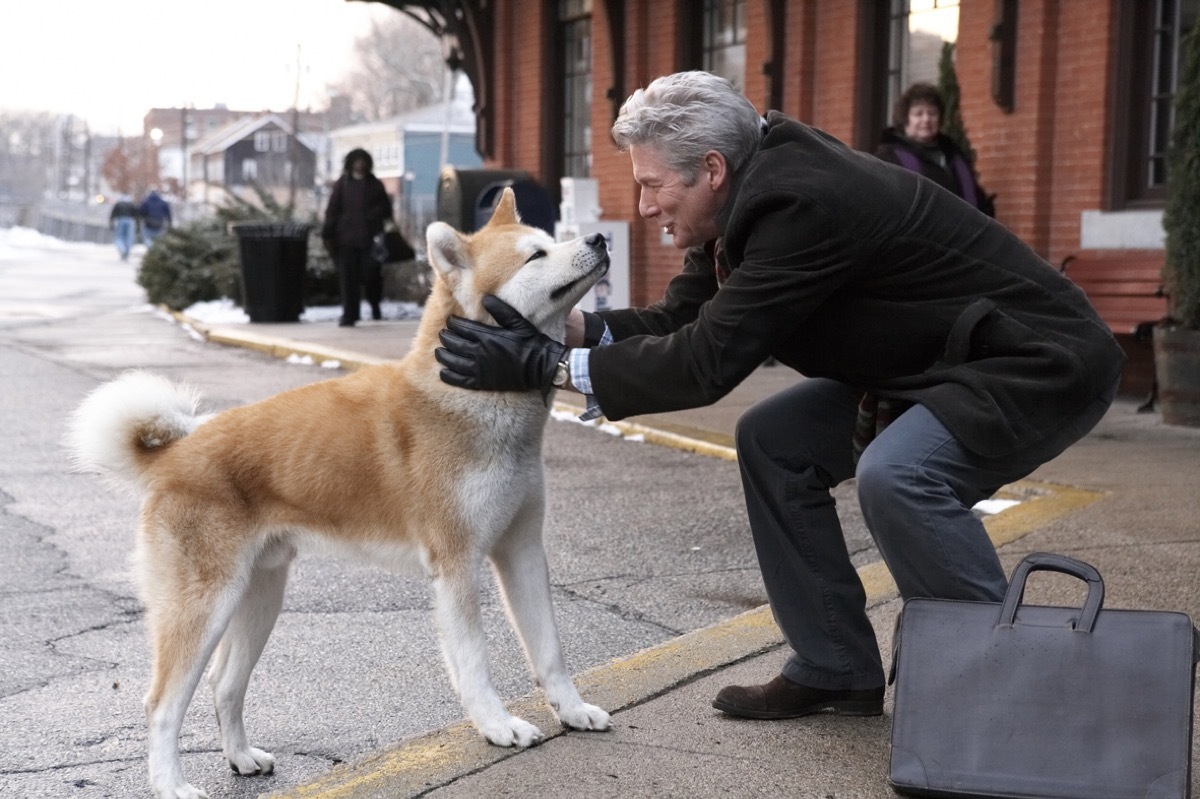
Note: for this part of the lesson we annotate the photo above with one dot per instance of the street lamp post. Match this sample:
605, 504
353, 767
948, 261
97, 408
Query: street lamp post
156, 137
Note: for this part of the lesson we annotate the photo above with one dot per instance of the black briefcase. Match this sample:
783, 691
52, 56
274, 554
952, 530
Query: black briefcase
1013, 700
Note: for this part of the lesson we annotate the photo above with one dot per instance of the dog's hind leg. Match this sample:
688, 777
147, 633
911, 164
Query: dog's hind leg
186, 618
520, 563
460, 628
239, 651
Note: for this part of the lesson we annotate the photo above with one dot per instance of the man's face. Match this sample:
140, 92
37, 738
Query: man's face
358, 167
687, 213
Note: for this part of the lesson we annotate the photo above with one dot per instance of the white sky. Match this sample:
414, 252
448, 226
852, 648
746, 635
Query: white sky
110, 61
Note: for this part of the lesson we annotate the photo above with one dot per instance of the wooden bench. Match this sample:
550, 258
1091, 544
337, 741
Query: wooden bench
1126, 289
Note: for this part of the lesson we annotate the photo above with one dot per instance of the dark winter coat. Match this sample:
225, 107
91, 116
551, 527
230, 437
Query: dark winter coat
123, 208
850, 268
942, 162
357, 209
155, 211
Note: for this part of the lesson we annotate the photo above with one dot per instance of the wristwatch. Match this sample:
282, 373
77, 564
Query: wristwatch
562, 373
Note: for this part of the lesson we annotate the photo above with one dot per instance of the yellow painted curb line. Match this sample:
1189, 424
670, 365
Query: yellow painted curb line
434, 759
653, 435
276, 347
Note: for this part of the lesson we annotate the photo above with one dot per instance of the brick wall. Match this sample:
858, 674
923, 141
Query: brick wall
1045, 160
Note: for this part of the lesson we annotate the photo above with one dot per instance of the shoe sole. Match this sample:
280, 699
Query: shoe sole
842, 708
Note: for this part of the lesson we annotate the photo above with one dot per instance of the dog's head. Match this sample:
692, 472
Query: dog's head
522, 265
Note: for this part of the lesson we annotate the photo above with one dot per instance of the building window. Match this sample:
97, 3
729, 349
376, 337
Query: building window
724, 45
279, 141
917, 31
899, 43
249, 170
1148, 63
575, 28
262, 141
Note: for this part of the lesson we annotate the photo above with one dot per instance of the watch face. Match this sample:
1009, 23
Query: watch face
561, 374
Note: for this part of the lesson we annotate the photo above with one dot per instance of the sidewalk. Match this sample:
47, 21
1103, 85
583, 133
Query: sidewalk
1125, 499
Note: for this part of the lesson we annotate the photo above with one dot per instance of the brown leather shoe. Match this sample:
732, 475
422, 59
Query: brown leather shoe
783, 699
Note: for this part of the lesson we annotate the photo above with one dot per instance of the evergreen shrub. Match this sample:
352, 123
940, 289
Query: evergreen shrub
1181, 216
199, 261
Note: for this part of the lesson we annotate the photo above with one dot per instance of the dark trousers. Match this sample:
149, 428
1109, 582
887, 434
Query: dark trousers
360, 274
916, 486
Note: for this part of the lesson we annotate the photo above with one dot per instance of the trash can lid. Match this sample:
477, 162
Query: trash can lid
271, 230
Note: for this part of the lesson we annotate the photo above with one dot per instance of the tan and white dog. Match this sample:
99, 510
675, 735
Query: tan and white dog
388, 462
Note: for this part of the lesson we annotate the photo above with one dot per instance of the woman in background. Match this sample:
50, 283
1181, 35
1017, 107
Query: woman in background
916, 142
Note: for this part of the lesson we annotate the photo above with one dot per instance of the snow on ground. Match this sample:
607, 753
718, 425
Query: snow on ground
224, 312
26, 244
22, 243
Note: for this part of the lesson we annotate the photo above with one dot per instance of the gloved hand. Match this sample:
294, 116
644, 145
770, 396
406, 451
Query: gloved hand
513, 357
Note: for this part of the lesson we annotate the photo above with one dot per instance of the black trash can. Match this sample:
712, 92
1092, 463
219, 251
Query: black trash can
274, 256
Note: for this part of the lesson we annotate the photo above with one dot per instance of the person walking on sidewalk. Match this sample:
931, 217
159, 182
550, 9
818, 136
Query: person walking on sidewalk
123, 222
358, 209
942, 357
156, 217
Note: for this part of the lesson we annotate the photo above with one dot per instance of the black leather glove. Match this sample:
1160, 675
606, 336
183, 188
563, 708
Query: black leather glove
513, 357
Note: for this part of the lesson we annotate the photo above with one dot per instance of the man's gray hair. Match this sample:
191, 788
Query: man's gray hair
685, 115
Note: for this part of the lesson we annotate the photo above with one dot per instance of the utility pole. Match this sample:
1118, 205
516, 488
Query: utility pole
293, 155
183, 151
87, 162
64, 158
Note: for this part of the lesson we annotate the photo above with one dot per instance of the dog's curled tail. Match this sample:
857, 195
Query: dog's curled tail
119, 427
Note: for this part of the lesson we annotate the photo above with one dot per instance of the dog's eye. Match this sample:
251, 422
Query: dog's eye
536, 254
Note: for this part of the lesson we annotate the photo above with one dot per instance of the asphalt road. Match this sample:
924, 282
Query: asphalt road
644, 543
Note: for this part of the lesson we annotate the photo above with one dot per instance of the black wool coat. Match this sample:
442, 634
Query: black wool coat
347, 226
850, 268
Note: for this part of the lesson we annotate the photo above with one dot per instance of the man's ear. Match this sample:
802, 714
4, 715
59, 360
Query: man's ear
715, 169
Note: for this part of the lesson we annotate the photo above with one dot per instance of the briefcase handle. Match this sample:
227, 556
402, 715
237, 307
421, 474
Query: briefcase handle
1048, 561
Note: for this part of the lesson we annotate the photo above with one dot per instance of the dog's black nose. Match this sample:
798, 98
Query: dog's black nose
596, 240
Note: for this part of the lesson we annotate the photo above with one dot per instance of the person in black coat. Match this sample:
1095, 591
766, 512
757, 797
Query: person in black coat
358, 208
123, 221
155, 214
915, 142
939, 359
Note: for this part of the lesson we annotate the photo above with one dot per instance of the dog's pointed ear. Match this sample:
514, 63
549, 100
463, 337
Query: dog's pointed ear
447, 249
506, 209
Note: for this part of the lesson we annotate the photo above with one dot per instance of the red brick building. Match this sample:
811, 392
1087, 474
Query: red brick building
1067, 104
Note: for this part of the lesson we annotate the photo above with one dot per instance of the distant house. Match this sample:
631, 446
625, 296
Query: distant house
259, 151
408, 152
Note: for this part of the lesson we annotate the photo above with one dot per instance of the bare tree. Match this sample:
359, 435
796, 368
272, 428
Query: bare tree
398, 67
27, 154
131, 167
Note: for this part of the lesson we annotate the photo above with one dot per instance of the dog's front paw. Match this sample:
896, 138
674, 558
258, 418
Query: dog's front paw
251, 761
584, 717
512, 731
